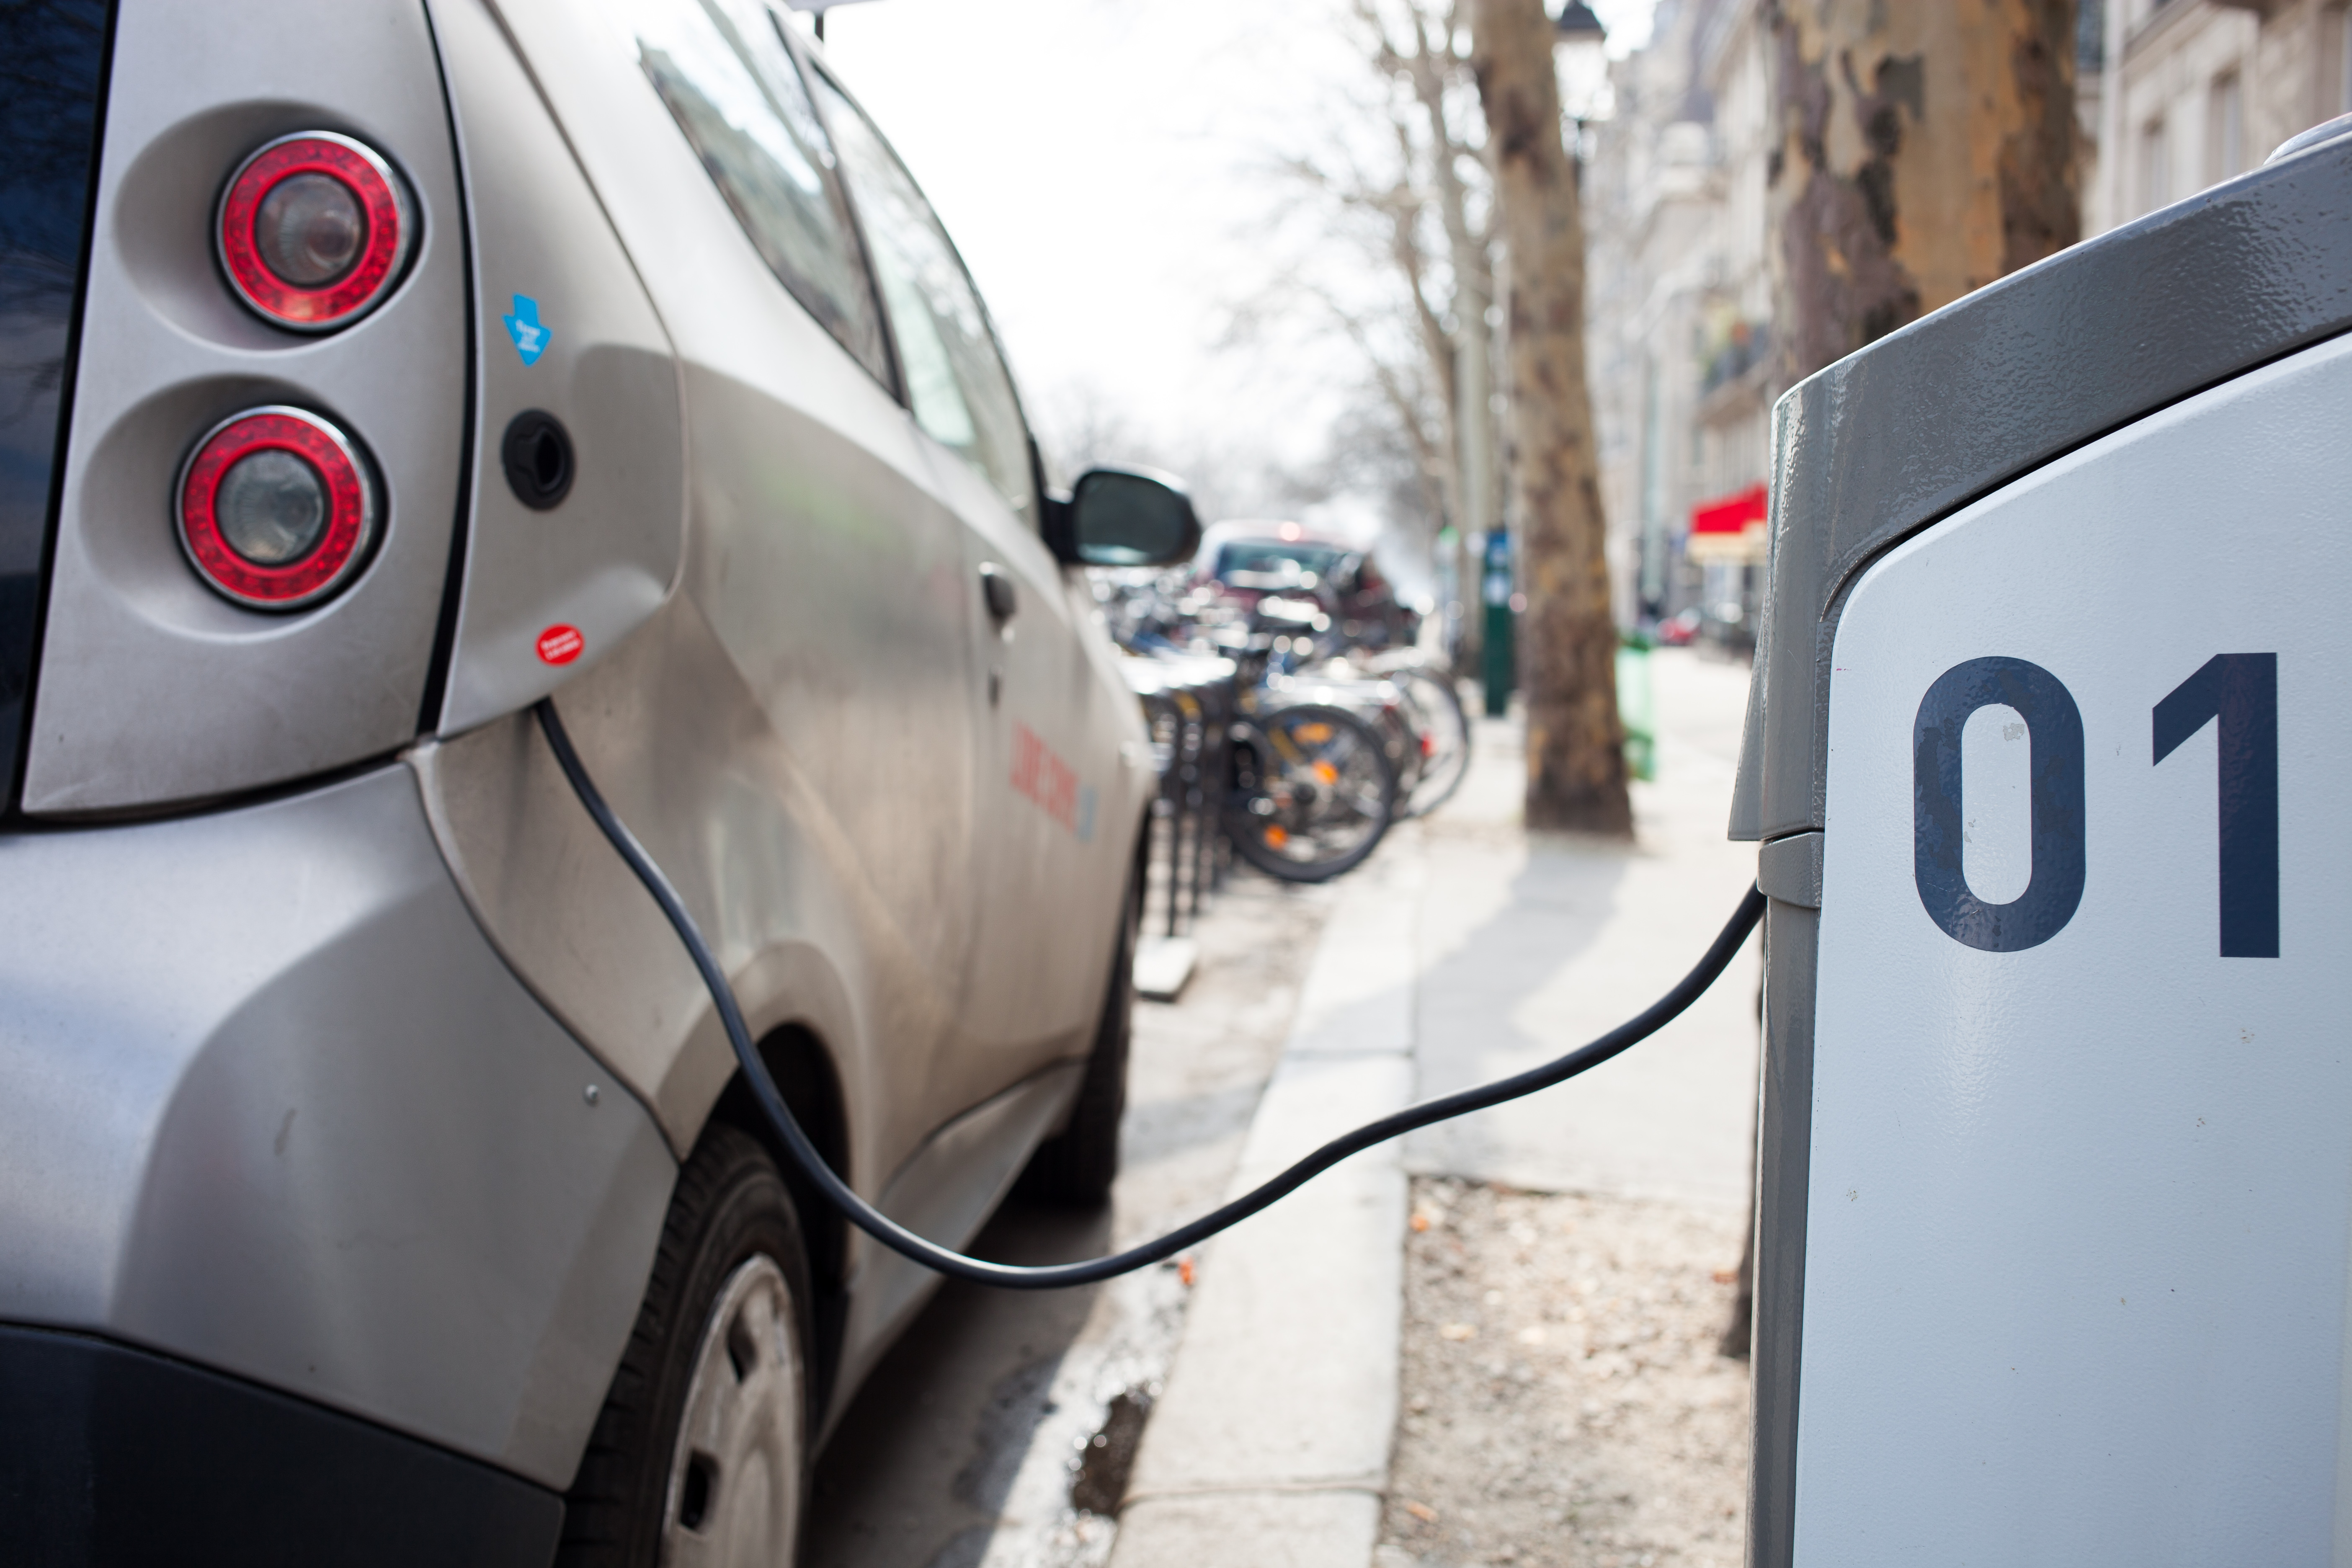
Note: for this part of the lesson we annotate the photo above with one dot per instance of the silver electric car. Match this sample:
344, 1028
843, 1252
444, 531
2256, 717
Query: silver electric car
377, 1182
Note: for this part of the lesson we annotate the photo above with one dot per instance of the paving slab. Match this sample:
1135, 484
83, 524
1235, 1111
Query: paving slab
1164, 966
1261, 1530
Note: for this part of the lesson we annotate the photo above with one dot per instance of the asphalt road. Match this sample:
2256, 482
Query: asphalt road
966, 1445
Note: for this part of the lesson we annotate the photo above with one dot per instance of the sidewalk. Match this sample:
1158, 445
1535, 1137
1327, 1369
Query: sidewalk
1529, 947
1462, 951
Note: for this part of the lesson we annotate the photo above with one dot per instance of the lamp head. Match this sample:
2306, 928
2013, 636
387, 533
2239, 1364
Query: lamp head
1578, 25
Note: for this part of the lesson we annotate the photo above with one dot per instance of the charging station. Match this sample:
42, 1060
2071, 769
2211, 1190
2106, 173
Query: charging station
2048, 756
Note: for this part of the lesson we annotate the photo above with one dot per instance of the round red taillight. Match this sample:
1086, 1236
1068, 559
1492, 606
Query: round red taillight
276, 510
313, 231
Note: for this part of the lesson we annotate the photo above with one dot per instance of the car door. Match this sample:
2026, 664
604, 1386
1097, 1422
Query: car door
1046, 876
805, 724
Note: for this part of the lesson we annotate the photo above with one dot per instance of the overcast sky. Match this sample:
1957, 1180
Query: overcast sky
1102, 165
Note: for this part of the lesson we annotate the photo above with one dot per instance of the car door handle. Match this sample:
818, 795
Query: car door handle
996, 587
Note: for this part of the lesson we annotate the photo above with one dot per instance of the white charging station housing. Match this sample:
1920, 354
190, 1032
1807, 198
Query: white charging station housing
2048, 757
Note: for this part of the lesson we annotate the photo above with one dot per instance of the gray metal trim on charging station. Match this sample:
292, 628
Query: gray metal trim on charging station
1887, 442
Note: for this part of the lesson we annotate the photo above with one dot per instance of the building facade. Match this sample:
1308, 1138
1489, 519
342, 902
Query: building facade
1681, 311
2171, 96
2197, 90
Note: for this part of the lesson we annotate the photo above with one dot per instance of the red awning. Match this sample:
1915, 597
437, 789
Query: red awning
1729, 514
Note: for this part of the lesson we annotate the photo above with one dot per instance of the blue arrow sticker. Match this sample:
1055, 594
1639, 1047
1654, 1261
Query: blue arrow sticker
523, 326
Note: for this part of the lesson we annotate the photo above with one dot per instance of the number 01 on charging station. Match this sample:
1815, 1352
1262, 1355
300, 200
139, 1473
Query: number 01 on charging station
2237, 692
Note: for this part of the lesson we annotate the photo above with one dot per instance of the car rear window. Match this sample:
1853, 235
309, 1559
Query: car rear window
51, 82
1272, 556
735, 90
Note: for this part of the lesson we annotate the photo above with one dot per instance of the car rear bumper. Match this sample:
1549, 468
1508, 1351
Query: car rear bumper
111, 1455
271, 1105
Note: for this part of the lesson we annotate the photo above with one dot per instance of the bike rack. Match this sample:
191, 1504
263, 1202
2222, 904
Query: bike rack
1188, 706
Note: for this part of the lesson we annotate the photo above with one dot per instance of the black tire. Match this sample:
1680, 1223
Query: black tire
1297, 829
1077, 1166
730, 1222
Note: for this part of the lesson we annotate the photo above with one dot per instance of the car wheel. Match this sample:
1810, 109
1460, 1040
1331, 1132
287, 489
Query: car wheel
701, 1452
1077, 1165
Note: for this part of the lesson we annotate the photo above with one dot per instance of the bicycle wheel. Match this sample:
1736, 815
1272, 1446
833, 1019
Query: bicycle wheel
1313, 790
1443, 731
1400, 733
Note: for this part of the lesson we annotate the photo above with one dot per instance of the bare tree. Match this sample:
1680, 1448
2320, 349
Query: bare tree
1080, 425
1576, 757
1389, 252
1425, 55
1368, 454
1923, 150
1359, 276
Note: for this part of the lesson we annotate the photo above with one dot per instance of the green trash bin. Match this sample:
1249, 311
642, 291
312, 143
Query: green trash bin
1636, 706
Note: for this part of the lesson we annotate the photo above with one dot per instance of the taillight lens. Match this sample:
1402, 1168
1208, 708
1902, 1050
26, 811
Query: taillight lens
314, 230
276, 510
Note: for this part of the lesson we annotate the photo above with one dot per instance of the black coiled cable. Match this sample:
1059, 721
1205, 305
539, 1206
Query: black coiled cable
1057, 1276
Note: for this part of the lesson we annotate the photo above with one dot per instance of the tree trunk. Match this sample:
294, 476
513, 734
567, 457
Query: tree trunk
1921, 151
1576, 755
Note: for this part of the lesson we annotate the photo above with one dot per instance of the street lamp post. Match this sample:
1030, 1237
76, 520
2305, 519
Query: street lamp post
1578, 25
1577, 39
818, 8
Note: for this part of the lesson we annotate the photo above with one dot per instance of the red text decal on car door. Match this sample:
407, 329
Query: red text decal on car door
1044, 778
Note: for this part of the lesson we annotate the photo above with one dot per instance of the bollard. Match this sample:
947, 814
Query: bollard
2047, 756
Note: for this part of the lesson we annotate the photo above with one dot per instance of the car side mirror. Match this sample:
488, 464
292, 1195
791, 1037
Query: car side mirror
1123, 517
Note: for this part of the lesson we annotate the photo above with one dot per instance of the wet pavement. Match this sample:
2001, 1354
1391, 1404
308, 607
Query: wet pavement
966, 1445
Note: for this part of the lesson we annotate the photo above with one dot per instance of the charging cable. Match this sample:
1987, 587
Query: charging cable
1051, 1277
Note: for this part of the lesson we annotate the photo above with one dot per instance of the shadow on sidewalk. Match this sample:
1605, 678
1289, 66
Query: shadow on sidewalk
1543, 919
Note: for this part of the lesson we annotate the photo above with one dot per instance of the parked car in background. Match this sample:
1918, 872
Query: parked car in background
1681, 629
1248, 560
377, 1185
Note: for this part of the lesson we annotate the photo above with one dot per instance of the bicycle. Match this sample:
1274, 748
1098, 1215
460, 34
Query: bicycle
1441, 726
1315, 780
1316, 768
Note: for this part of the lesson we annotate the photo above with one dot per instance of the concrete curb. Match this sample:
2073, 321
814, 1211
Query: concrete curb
1269, 1446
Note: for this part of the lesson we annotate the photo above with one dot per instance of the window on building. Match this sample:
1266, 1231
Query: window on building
2226, 131
2155, 167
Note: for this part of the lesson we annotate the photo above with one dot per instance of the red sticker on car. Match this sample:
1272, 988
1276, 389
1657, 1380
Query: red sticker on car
561, 644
